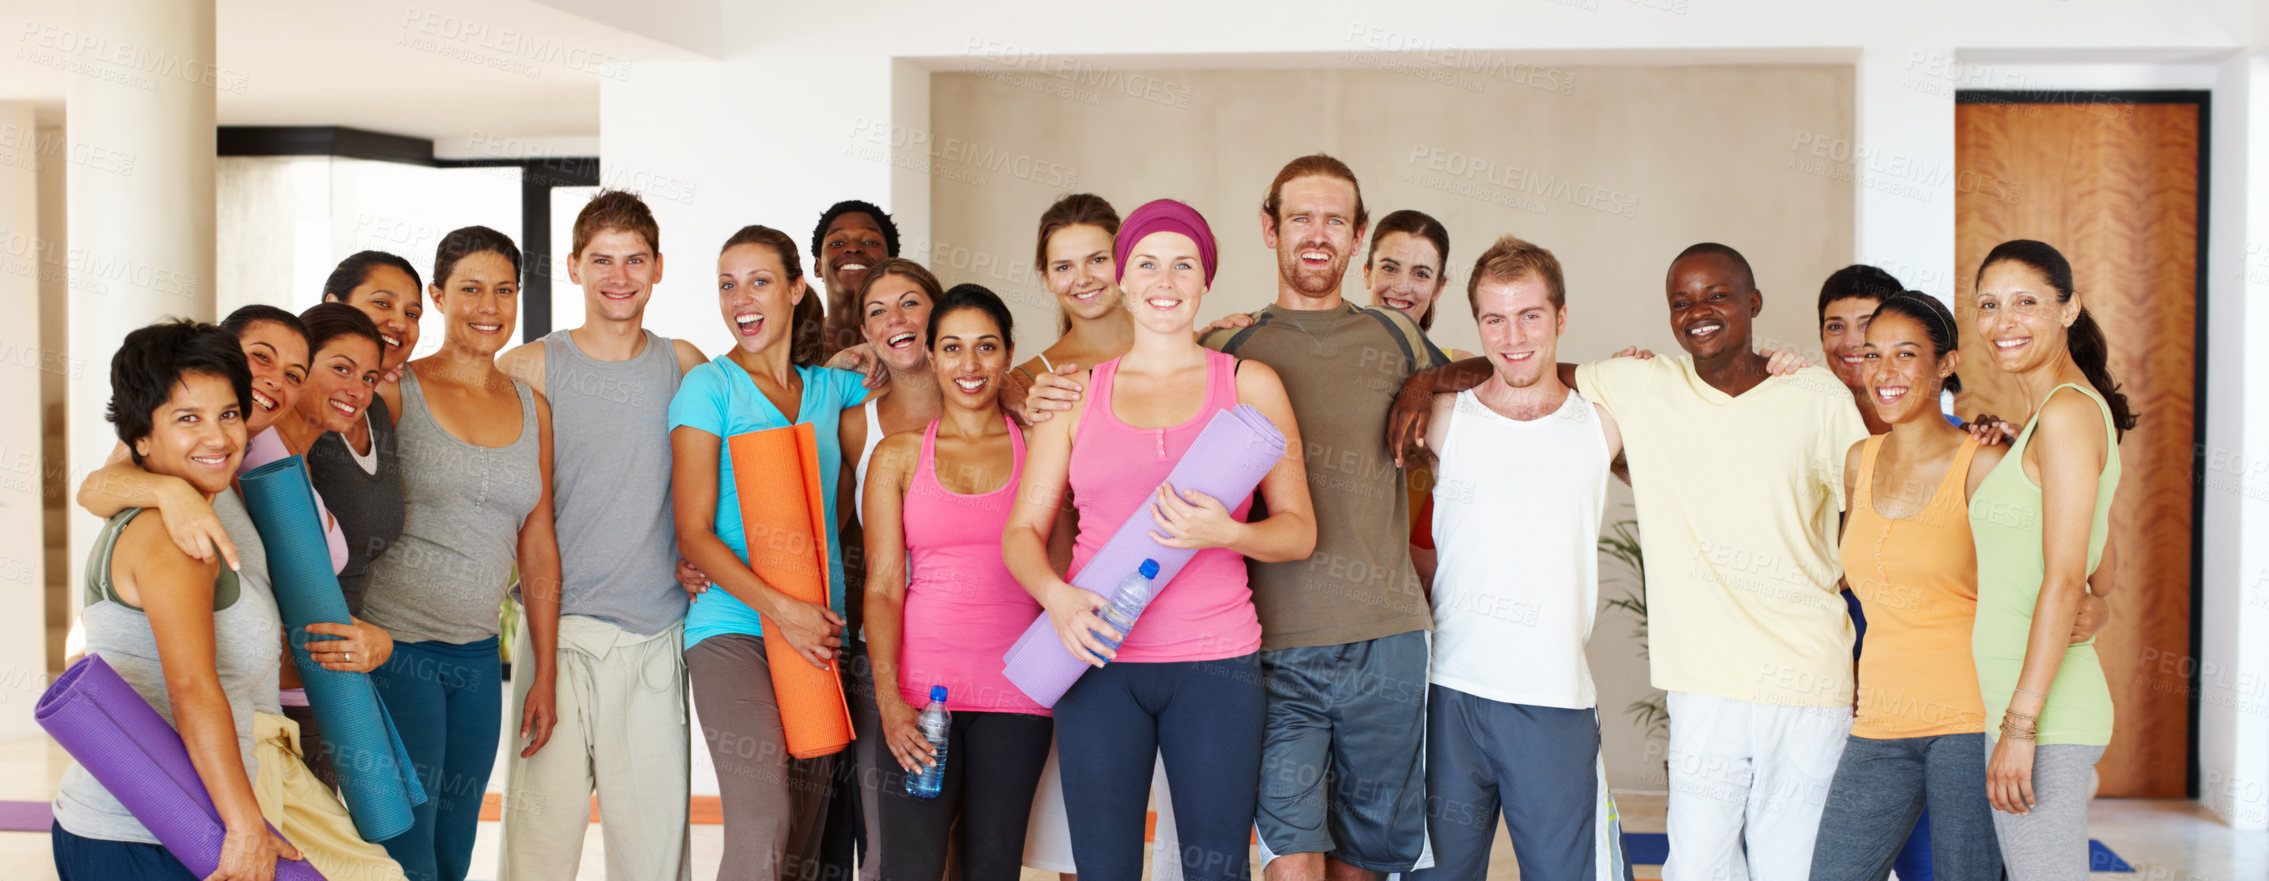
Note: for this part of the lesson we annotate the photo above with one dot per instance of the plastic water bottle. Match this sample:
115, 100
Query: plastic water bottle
1128, 601
935, 723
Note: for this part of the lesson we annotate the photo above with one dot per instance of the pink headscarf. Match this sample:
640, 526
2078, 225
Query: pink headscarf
1165, 215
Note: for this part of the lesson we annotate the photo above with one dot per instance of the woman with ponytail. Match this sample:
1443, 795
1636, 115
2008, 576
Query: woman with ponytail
1918, 737
2039, 521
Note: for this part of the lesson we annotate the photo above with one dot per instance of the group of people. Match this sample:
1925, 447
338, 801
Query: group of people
1364, 666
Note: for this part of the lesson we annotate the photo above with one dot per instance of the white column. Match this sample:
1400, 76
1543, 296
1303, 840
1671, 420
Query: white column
1905, 179
23, 606
139, 125
2233, 661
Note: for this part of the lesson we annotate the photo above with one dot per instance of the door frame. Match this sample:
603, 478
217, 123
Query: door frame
2203, 100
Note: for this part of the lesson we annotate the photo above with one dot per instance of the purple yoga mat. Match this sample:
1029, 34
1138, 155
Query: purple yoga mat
25, 816
110, 729
1237, 447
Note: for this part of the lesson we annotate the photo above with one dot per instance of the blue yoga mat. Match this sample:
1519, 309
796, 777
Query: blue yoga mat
111, 730
376, 778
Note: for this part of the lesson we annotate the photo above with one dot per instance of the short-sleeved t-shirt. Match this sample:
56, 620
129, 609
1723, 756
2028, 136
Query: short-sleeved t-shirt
721, 399
1341, 369
1737, 499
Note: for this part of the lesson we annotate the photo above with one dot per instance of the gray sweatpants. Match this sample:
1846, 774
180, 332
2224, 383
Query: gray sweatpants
774, 805
1881, 787
2050, 843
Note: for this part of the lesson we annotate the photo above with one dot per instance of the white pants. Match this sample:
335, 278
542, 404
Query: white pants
1747, 784
622, 730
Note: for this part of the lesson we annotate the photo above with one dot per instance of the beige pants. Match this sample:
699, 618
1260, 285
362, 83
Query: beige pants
621, 731
308, 815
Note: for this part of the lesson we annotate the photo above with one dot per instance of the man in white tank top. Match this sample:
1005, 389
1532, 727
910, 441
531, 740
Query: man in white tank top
1512, 719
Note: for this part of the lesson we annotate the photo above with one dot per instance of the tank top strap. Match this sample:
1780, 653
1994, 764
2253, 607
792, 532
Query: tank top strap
927, 468
1015, 445
1102, 379
529, 428
99, 587
2111, 435
413, 396
1863, 487
1951, 489
1220, 380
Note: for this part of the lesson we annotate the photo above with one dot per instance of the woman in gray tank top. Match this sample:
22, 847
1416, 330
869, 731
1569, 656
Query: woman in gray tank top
475, 448
197, 644
359, 464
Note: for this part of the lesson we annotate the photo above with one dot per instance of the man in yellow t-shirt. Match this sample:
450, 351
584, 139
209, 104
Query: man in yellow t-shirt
1737, 475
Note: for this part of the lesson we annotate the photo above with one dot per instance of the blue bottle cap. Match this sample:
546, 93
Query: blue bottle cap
1150, 568
937, 692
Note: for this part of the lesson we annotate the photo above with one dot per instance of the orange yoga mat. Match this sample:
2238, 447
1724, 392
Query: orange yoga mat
784, 519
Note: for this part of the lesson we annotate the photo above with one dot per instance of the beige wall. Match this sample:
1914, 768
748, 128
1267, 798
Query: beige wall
1614, 169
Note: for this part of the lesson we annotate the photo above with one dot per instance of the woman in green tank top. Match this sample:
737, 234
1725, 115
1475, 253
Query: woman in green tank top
2039, 521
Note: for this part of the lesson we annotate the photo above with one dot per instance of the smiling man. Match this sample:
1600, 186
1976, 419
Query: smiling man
851, 236
1737, 476
622, 611
1343, 641
1512, 718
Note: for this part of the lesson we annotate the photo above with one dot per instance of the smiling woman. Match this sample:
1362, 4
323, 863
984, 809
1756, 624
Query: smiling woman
476, 482
196, 643
769, 800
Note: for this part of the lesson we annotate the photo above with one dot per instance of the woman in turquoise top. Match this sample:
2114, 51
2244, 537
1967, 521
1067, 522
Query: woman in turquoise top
772, 804
2039, 520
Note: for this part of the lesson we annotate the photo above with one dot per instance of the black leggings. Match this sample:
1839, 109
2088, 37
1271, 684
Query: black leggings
992, 766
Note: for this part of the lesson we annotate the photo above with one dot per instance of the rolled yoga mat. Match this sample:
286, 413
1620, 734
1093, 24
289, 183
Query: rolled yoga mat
376, 779
1237, 448
784, 522
110, 729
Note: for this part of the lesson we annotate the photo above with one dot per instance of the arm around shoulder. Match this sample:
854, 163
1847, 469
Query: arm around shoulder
525, 363
689, 356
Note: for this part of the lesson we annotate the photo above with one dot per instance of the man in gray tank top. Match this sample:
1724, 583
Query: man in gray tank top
622, 706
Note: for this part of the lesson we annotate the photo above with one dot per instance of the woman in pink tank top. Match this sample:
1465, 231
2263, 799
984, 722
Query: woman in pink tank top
1185, 685
942, 609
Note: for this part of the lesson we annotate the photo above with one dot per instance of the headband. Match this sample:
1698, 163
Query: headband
1164, 215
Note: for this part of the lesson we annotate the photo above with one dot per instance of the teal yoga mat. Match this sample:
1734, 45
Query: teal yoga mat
375, 776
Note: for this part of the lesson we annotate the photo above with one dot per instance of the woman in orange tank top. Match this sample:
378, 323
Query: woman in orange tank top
1918, 734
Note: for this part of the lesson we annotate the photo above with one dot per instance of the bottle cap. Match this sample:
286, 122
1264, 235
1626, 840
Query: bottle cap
937, 692
1150, 568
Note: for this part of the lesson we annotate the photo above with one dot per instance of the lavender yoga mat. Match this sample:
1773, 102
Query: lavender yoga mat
1237, 447
376, 779
111, 731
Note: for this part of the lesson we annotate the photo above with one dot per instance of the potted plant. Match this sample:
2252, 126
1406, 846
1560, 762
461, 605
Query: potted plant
1621, 542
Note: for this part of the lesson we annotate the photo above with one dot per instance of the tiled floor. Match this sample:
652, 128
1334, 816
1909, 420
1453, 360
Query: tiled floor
2165, 840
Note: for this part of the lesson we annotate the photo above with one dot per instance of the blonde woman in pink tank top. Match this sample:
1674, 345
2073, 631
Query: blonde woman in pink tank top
1185, 685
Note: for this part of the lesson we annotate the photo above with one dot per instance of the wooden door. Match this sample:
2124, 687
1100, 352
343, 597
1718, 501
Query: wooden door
2114, 186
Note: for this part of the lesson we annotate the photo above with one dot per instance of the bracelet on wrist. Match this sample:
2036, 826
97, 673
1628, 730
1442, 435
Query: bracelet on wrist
2024, 690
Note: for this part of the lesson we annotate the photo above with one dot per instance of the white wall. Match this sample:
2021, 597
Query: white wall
780, 128
2233, 712
285, 222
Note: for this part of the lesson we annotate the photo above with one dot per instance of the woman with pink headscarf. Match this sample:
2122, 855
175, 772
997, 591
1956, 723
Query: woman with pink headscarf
1184, 685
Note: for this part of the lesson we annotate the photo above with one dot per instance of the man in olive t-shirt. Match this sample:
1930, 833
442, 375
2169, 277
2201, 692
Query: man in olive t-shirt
1343, 640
